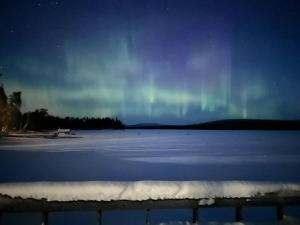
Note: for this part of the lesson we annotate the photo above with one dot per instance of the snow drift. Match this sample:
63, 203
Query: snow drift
144, 190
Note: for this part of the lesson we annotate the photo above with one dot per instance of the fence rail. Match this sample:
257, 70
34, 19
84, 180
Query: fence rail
8, 204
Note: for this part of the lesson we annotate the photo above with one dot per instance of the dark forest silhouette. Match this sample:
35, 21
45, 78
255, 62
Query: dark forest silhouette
11, 117
41, 120
10, 114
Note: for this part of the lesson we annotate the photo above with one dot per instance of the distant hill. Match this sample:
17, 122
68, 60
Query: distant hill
233, 124
144, 125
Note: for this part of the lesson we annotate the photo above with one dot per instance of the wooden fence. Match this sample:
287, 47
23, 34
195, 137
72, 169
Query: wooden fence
8, 204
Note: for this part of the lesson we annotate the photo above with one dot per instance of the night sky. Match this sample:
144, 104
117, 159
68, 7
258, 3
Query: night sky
163, 61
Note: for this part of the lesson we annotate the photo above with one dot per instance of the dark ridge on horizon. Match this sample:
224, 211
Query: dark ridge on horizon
229, 124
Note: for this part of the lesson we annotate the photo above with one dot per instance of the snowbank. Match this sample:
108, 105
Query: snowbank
144, 190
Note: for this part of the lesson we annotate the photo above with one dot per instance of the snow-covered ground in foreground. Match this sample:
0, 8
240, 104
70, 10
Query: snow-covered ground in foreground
143, 190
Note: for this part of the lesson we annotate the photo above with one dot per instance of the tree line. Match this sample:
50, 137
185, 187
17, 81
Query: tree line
11, 118
41, 120
10, 114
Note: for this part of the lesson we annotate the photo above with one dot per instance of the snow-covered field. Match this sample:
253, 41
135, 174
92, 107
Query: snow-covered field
154, 155
174, 146
133, 155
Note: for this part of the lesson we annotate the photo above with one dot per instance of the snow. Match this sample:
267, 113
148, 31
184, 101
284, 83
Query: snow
206, 201
145, 190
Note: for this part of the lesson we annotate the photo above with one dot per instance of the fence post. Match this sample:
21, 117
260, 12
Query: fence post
279, 210
238, 214
44, 218
99, 217
147, 217
195, 215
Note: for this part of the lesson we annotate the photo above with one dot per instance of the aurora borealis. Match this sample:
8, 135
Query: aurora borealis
163, 61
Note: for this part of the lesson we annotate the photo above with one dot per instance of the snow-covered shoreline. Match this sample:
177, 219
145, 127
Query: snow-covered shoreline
145, 190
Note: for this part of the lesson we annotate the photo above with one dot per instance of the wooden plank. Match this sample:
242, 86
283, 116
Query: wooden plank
147, 219
8, 204
195, 215
279, 212
238, 214
44, 218
99, 217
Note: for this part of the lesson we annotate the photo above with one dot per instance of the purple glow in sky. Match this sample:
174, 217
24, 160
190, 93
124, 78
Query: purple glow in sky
154, 61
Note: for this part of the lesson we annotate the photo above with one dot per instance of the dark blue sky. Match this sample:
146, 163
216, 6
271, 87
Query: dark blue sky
161, 61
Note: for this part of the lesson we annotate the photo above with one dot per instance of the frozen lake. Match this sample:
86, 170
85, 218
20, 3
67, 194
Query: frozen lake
155, 155
130, 155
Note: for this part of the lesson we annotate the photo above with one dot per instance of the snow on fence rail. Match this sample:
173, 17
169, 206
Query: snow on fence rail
48, 197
